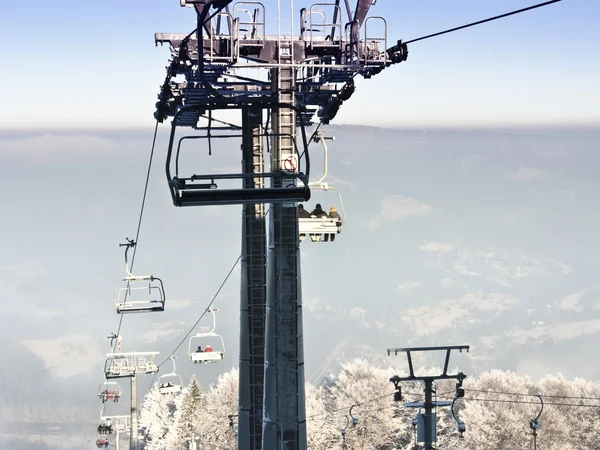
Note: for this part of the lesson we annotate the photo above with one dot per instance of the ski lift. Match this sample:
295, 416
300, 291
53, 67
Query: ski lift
170, 383
109, 391
323, 229
289, 178
132, 288
208, 354
101, 442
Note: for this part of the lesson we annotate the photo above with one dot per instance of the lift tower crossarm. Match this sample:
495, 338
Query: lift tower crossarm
408, 352
428, 422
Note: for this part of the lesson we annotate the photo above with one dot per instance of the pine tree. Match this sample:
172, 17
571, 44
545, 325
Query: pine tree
188, 419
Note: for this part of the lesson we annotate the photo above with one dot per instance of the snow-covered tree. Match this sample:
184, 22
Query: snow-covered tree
187, 417
496, 409
157, 416
363, 384
321, 431
221, 401
496, 424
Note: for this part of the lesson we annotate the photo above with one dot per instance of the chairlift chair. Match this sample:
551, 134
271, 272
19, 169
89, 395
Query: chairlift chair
170, 383
125, 365
139, 294
291, 179
199, 355
101, 442
322, 229
105, 428
109, 390
213, 356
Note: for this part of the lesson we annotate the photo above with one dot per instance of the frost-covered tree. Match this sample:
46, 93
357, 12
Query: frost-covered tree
363, 384
157, 415
492, 424
187, 418
321, 431
221, 401
497, 410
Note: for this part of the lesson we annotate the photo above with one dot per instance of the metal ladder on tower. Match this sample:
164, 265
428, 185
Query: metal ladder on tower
288, 348
286, 81
256, 284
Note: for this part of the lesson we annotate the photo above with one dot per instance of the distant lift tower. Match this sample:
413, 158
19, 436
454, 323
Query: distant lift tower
293, 76
426, 423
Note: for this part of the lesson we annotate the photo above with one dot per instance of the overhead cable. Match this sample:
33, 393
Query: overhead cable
572, 397
501, 16
139, 226
205, 311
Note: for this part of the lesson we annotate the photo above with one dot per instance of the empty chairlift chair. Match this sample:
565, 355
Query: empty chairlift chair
170, 383
207, 347
139, 294
325, 228
286, 184
125, 365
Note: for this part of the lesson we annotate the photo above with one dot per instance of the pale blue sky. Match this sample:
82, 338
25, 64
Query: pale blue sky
71, 64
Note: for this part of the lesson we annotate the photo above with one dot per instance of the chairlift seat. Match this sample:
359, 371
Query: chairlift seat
155, 301
174, 389
115, 371
140, 307
124, 365
206, 357
109, 390
322, 225
188, 195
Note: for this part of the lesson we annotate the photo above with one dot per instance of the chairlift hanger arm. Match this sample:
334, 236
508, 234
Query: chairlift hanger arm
354, 419
533, 424
129, 244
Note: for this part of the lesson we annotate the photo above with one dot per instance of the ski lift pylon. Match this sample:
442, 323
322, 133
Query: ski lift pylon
129, 288
207, 355
170, 383
322, 229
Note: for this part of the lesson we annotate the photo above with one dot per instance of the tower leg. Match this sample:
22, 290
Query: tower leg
253, 290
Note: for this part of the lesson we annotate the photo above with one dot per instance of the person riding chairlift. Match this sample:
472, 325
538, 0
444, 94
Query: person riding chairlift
333, 214
208, 349
199, 349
